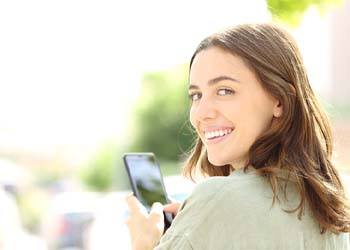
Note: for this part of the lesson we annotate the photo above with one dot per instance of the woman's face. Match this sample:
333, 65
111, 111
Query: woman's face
230, 109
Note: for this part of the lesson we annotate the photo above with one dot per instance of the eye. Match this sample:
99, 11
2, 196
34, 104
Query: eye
225, 91
194, 96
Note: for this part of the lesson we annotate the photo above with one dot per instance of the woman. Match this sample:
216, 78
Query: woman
265, 144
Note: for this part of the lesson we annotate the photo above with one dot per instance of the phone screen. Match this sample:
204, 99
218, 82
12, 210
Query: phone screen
146, 179
147, 182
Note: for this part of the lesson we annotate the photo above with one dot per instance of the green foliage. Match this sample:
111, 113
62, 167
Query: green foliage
106, 170
99, 173
291, 11
161, 115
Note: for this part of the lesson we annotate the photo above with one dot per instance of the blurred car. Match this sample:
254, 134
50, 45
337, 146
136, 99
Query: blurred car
69, 217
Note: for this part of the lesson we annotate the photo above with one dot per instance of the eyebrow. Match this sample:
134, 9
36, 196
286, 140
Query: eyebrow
214, 81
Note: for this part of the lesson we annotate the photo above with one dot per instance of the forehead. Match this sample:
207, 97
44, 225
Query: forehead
213, 62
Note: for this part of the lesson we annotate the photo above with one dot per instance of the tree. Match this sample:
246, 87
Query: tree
291, 11
105, 170
161, 115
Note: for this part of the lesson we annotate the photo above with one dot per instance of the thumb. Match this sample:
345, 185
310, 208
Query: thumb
157, 208
156, 212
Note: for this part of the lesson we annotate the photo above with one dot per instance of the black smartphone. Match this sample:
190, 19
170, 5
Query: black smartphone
146, 181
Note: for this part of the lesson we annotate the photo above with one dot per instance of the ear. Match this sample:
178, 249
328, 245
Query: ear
277, 109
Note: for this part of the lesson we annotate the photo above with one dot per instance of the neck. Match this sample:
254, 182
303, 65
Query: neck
239, 163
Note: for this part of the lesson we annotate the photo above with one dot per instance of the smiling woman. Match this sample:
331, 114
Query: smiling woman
262, 138
241, 107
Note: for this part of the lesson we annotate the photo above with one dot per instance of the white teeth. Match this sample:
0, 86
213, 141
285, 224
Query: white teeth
217, 133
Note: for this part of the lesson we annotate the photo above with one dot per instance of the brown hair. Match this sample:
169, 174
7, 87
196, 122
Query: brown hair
301, 141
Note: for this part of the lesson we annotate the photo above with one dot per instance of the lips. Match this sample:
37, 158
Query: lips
213, 136
217, 133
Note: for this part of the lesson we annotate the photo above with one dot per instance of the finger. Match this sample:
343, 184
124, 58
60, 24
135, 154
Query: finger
156, 210
128, 195
157, 207
173, 207
134, 205
130, 202
170, 207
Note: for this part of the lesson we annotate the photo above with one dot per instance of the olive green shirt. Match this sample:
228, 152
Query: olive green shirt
236, 212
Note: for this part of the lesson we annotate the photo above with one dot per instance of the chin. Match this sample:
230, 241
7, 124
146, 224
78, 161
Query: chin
217, 161
228, 159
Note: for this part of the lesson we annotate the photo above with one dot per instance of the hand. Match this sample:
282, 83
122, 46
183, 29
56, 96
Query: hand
172, 207
145, 229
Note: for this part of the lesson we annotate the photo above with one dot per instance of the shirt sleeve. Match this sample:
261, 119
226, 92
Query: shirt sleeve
174, 242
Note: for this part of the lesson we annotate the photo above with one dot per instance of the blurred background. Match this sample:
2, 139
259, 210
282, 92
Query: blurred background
83, 82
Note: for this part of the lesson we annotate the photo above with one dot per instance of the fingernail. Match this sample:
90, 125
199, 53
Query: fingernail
129, 193
157, 204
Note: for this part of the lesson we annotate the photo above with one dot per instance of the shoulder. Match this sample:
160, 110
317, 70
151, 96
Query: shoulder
247, 194
213, 205
227, 191
233, 185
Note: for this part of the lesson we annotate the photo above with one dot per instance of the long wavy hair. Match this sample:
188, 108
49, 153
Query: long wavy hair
300, 141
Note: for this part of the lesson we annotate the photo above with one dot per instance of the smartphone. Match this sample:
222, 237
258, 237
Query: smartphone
146, 181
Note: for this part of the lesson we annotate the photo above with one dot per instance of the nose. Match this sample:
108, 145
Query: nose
204, 110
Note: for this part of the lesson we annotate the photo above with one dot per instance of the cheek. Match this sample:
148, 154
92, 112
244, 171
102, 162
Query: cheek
256, 126
192, 119
254, 117
260, 119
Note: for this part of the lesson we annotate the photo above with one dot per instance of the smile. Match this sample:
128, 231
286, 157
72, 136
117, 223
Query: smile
217, 135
